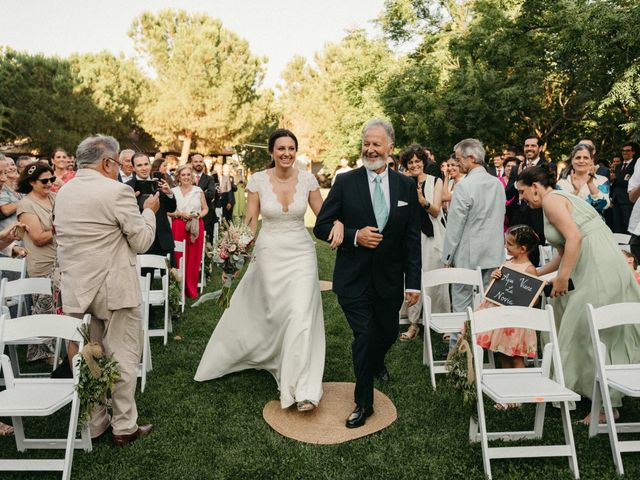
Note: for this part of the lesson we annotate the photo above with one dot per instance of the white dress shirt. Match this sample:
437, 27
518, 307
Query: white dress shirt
634, 220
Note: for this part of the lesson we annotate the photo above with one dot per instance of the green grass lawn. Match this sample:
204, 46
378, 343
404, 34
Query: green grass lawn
215, 429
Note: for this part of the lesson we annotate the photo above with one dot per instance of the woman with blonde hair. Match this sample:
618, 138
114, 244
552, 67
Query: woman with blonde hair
188, 225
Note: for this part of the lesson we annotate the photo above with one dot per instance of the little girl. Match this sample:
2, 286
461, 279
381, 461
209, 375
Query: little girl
513, 343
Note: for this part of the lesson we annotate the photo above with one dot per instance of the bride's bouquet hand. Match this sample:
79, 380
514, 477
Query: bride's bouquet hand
336, 235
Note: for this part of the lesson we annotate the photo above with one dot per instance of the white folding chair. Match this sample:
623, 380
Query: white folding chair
181, 247
445, 322
17, 290
39, 397
19, 266
546, 254
203, 278
146, 364
620, 377
159, 298
521, 385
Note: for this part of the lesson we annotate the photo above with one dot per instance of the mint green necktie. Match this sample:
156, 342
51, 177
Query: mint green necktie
379, 204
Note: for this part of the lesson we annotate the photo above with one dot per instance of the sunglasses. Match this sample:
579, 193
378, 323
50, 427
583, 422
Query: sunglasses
44, 181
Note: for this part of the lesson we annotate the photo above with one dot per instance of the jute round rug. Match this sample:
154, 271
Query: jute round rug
325, 425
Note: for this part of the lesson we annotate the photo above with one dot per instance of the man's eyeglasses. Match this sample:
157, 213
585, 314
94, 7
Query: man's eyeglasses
118, 162
44, 181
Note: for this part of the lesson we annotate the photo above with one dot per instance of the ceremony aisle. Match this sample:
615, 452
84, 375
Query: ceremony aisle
215, 430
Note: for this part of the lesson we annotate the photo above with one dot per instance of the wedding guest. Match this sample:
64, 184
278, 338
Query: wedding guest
208, 184
431, 219
172, 163
126, 173
631, 260
589, 256
160, 165
476, 218
621, 204
240, 207
144, 185
227, 190
451, 179
342, 167
581, 179
188, 225
62, 172
11, 248
513, 344
9, 197
99, 230
35, 210
22, 161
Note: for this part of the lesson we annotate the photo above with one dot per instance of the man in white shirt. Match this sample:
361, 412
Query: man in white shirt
633, 188
344, 167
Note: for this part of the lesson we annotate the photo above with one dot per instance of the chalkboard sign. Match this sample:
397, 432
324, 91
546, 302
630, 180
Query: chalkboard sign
514, 289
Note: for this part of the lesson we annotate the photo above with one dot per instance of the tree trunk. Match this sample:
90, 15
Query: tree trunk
186, 148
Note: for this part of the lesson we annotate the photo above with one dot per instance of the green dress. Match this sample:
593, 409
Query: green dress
601, 277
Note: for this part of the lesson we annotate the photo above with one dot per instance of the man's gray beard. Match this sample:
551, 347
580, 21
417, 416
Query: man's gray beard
373, 164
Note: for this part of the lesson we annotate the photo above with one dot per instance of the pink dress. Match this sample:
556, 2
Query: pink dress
513, 342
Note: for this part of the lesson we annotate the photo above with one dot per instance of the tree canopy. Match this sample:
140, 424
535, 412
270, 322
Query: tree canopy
205, 85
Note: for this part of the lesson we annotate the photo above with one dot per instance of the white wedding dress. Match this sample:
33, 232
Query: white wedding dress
275, 321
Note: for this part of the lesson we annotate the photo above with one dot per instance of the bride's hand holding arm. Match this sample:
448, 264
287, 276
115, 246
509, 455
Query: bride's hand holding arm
336, 235
253, 210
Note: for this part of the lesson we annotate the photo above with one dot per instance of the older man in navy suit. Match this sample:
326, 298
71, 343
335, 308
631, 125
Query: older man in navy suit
379, 263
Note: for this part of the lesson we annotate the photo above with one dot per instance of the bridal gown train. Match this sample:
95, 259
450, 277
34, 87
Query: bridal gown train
275, 321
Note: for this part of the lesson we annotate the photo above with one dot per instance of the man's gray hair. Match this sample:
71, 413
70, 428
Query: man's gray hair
125, 152
378, 122
94, 148
471, 147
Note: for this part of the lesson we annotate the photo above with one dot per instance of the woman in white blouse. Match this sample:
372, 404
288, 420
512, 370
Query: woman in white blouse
187, 225
581, 179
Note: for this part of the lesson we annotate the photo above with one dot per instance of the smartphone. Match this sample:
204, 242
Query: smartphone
19, 232
146, 187
548, 287
157, 176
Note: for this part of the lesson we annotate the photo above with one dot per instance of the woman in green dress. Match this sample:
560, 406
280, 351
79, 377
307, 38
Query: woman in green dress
589, 255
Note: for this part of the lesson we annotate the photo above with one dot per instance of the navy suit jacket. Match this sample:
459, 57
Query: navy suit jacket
396, 261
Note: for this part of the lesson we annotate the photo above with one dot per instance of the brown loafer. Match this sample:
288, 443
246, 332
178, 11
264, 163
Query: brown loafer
122, 440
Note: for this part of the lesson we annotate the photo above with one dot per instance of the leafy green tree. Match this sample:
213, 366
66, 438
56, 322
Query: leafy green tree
41, 100
116, 86
326, 104
205, 81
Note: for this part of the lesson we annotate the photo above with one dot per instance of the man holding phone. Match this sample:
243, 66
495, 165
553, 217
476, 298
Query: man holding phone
144, 186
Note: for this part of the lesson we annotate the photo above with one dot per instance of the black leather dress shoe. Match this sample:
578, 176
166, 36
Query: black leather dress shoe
359, 415
383, 375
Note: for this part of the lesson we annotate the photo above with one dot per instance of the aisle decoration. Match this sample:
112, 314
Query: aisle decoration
97, 376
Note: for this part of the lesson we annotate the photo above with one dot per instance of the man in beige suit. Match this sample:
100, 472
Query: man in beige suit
100, 230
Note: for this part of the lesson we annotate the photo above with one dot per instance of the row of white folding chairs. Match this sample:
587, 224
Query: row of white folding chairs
536, 385
39, 397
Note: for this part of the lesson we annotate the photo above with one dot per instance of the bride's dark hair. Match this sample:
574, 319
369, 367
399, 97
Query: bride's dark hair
275, 135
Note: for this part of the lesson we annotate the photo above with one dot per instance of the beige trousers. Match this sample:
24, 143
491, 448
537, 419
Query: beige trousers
120, 334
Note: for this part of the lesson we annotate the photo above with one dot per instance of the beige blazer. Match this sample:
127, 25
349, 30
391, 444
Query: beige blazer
99, 230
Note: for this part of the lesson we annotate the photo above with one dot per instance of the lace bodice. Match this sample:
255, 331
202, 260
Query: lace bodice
274, 216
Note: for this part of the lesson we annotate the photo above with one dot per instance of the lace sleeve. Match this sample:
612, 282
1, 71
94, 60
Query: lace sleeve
252, 185
312, 183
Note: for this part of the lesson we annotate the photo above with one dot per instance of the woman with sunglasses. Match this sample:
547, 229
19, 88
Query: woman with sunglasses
35, 211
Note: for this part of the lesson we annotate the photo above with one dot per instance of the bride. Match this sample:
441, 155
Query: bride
275, 320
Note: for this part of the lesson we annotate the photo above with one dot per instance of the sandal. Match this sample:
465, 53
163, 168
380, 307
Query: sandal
5, 430
411, 333
305, 406
602, 420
